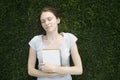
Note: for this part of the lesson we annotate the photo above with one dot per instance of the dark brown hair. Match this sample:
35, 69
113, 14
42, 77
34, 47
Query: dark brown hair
50, 9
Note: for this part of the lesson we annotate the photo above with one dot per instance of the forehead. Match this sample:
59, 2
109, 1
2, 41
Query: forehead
47, 14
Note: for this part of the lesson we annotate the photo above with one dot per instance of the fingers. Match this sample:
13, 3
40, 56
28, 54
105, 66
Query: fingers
42, 64
46, 67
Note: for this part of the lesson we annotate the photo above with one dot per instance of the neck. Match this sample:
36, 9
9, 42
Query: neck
52, 35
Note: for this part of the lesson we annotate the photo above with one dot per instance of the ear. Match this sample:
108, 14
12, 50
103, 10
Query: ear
58, 20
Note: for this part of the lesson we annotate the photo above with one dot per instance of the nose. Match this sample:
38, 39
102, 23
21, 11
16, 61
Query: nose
46, 22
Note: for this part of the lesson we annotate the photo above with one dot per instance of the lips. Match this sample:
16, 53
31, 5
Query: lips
48, 27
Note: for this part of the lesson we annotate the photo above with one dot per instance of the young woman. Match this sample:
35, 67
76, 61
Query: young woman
65, 42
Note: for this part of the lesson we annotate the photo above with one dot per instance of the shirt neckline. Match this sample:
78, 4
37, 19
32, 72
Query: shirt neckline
43, 45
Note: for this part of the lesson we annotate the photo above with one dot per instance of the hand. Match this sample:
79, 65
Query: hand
46, 67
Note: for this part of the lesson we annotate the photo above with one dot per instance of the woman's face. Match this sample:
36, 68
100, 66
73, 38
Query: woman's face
49, 21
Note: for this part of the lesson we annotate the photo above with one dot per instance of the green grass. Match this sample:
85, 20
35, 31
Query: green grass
94, 22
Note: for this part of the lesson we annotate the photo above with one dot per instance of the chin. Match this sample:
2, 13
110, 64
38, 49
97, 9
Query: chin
50, 30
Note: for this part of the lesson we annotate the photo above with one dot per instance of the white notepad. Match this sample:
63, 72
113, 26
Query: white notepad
52, 56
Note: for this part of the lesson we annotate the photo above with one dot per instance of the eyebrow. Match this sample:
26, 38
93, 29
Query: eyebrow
47, 18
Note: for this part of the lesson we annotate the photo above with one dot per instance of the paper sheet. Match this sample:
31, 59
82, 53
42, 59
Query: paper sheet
52, 56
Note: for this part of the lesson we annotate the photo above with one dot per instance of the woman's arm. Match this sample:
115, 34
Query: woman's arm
74, 70
77, 68
31, 66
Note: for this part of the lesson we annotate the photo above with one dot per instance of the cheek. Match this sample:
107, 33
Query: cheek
43, 26
56, 22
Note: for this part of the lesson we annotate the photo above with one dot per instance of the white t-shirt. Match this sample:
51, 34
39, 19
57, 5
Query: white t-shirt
37, 44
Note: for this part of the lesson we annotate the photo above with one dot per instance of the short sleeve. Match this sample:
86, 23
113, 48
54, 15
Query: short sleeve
72, 39
32, 42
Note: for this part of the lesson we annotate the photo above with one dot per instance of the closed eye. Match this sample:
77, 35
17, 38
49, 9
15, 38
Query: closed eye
50, 18
42, 21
